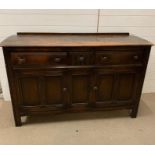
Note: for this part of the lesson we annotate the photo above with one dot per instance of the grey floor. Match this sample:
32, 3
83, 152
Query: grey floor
111, 127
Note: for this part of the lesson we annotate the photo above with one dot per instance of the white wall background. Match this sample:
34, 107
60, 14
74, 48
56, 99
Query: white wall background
138, 22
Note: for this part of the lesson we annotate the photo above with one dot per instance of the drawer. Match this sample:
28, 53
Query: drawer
81, 58
118, 58
40, 58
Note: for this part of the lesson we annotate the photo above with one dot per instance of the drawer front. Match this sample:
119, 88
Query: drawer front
118, 58
81, 58
40, 58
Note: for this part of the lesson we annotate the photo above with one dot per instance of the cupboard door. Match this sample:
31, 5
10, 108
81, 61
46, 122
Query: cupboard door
115, 88
42, 88
104, 87
56, 89
80, 81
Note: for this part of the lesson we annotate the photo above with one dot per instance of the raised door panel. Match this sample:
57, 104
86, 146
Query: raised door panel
56, 89
53, 89
29, 91
127, 84
104, 88
80, 88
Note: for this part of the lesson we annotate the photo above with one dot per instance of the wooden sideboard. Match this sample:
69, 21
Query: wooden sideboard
74, 72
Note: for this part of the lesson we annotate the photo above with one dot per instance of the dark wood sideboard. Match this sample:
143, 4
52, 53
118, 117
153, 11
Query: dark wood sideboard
74, 72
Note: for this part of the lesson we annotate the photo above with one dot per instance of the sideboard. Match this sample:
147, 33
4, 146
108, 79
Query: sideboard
74, 72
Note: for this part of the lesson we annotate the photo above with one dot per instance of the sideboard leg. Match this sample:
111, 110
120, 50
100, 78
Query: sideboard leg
134, 112
18, 121
17, 116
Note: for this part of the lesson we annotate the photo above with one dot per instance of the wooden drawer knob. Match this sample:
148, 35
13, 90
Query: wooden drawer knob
64, 89
136, 57
105, 58
57, 59
95, 88
81, 58
21, 60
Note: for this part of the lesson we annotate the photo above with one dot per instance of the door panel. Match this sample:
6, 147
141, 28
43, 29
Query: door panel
54, 89
80, 88
103, 88
126, 86
29, 90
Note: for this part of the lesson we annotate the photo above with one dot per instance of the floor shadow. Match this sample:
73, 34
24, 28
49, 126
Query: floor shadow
76, 116
144, 110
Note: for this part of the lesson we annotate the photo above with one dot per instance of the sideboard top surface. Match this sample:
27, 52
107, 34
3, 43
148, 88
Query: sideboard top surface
29, 39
